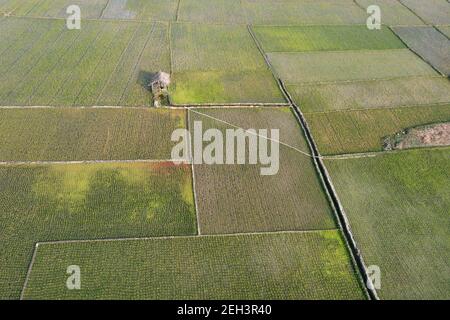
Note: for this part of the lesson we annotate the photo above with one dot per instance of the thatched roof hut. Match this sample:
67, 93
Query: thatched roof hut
160, 80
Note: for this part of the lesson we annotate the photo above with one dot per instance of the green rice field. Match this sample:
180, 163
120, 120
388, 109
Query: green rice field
237, 198
370, 94
398, 207
62, 202
68, 134
325, 38
275, 266
363, 130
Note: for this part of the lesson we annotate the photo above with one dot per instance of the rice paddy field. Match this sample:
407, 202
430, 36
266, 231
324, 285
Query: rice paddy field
219, 64
355, 131
221, 267
236, 198
371, 94
398, 206
70, 134
86, 176
430, 44
63, 202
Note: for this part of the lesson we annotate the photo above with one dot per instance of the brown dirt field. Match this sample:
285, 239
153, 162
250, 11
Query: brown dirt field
425, 136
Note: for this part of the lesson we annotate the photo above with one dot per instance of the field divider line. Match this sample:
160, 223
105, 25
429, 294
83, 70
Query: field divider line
104, 9
172, 107
44, 162
237, 234
30, 267
413, 12
177, 13
191, 159
267, 61
335, 202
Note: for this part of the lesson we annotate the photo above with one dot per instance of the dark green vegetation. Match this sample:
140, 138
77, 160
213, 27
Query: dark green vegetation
364, 130
398, 206
325, 38
410, 91
219, 64
262, 266
430, 44
87, 134
104, 63
59, 202
237, 198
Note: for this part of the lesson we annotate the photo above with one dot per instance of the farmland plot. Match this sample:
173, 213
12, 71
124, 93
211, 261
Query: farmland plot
87, 134
302, 12
54, 8
87, 201
325, 38
263, 266
164, 10
429, 43
398, 206
432, 11
219, 64
237, 198
364, 130
410, 91
104, 63
295, 67
393, 12
212, 11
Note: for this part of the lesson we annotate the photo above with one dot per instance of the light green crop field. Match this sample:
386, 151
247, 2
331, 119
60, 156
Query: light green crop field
393, 12
69, 134
104, 63
52, 8
429, 43
363, 130
296, 67
410, 91
161, 10
263, 266
60, 202
325, 38
304, 12
219, 64
216, 11
237, 198
398, 206
435, 12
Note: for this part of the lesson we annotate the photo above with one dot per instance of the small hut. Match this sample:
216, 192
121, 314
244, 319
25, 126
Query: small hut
159, 82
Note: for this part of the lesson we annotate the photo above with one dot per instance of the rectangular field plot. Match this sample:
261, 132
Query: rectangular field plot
235, 198
302, 12
104, 63
61, 202
325, 38
219, 64
411, 91
212, 11
69, 134
53, 8
295, 67
283, 266
432, 11
430, 44
393, 12
364, 130
161, 10
398, 206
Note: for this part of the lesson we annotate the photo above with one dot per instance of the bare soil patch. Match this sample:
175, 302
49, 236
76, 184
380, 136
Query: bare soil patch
424, 136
